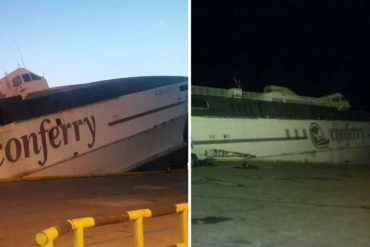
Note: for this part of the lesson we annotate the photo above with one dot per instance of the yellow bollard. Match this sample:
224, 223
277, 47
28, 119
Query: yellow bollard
184, 226
182, 208
78, 240
47, 244
139, 232
46, 238
78, 226
137, 216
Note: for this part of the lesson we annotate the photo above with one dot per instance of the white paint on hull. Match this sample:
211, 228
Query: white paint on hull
123, 155
340, 156
285, 140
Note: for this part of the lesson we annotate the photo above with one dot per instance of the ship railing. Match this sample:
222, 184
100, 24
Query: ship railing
221, 92
208, 91
46, 237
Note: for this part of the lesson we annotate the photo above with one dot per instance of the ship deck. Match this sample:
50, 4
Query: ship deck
280, 204
28, 207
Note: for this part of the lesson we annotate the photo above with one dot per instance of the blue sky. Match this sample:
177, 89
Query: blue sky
74, 41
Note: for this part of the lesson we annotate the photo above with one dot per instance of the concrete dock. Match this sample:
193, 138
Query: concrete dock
280, 204
27, 207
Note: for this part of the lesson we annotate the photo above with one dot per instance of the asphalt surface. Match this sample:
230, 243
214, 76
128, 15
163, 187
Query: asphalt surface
27, 207
276, 204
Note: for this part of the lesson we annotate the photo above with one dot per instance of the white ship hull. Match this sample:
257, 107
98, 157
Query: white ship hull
107, 137
318, 141
124, 155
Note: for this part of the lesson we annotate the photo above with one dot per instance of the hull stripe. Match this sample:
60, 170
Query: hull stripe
122, 120
202, 142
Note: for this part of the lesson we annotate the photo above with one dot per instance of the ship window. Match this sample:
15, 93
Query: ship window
26, 77
304, 133
199, 103
287, 133
35, 77
184, 88
296, 133
17, 81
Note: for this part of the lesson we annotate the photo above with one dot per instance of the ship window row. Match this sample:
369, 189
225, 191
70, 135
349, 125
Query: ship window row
17, 81
222, 107
199, 104
31, 77
26, 77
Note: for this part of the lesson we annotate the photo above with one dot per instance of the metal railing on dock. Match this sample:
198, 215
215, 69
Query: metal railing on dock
46, 238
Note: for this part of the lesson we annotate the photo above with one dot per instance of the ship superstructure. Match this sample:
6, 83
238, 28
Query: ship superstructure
21, 82
278, 124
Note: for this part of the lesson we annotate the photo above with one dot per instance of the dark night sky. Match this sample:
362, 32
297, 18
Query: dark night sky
312, 47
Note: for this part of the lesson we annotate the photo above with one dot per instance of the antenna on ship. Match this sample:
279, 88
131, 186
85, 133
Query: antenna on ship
4, 70
19, 52
16, 58
238, 83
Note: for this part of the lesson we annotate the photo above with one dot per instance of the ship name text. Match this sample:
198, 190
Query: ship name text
37, 142
347, 134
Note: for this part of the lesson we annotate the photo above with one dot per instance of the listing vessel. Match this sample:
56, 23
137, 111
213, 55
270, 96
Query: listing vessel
96, 128
277, 125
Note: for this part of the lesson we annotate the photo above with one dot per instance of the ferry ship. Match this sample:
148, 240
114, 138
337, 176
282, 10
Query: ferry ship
97, 128
277, 125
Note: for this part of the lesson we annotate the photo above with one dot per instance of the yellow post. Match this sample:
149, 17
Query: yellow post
184, 226
139, 232
48, 244
46, 237
137, 216
78, 240
78, 226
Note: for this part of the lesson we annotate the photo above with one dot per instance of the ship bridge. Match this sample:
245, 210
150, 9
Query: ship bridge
21, 82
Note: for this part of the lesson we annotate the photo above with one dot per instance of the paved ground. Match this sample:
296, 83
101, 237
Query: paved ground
281, 205
30, 206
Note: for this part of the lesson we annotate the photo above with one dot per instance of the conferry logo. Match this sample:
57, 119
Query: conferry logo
318, 137
47, 137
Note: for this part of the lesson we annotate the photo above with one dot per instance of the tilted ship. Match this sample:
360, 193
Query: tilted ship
96, 128
277, 125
